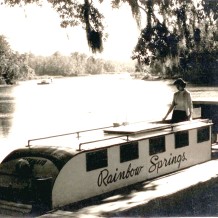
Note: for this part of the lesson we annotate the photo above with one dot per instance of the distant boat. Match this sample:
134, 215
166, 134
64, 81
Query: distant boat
137, 75
149, 77
45, 82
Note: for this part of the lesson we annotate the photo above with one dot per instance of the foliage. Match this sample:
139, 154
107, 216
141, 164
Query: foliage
75, 65
13, 66
180, 37
74, 13
175, 38
202, 67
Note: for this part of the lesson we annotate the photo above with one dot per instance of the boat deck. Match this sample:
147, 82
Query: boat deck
105, 137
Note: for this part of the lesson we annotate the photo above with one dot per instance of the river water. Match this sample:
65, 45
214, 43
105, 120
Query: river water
28, 110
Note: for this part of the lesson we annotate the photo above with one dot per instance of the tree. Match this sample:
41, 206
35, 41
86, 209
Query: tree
4, 54
78, 62
13, 66
25, 71
180, 37
94, 66
73, 13
85, 13
38, 63
173, 29
173, 32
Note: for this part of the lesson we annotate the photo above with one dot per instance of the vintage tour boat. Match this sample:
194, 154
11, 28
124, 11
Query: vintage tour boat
59, 170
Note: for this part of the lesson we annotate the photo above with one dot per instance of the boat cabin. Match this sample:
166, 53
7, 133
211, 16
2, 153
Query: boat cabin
64, 169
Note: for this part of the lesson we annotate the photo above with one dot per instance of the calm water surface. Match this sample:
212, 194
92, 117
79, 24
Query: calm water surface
29, 110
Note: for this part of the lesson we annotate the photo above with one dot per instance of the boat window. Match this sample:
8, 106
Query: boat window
129, 151
181, 139
157, 145
203, 134
96, 160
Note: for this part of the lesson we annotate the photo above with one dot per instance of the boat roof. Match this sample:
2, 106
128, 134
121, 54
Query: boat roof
56, 155
107, 136
144, 127
61, 148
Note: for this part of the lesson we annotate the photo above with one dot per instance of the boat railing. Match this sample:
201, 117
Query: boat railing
173, 125
65, 134
104, 139
125, 134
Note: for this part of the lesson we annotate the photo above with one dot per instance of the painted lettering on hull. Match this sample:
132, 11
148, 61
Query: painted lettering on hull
105, 177
157, 163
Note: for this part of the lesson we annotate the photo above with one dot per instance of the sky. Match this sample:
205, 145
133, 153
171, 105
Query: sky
37, 29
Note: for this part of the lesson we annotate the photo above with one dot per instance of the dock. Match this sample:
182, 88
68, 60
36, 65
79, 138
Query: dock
158, 197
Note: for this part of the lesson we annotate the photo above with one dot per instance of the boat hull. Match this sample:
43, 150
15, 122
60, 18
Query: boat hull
52, 176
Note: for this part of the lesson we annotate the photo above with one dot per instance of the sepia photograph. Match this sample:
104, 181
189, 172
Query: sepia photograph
108, 108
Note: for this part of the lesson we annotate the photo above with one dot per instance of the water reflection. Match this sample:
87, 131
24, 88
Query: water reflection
7, 108
5, 125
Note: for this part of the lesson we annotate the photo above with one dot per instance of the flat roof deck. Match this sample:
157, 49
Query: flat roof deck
106, 137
